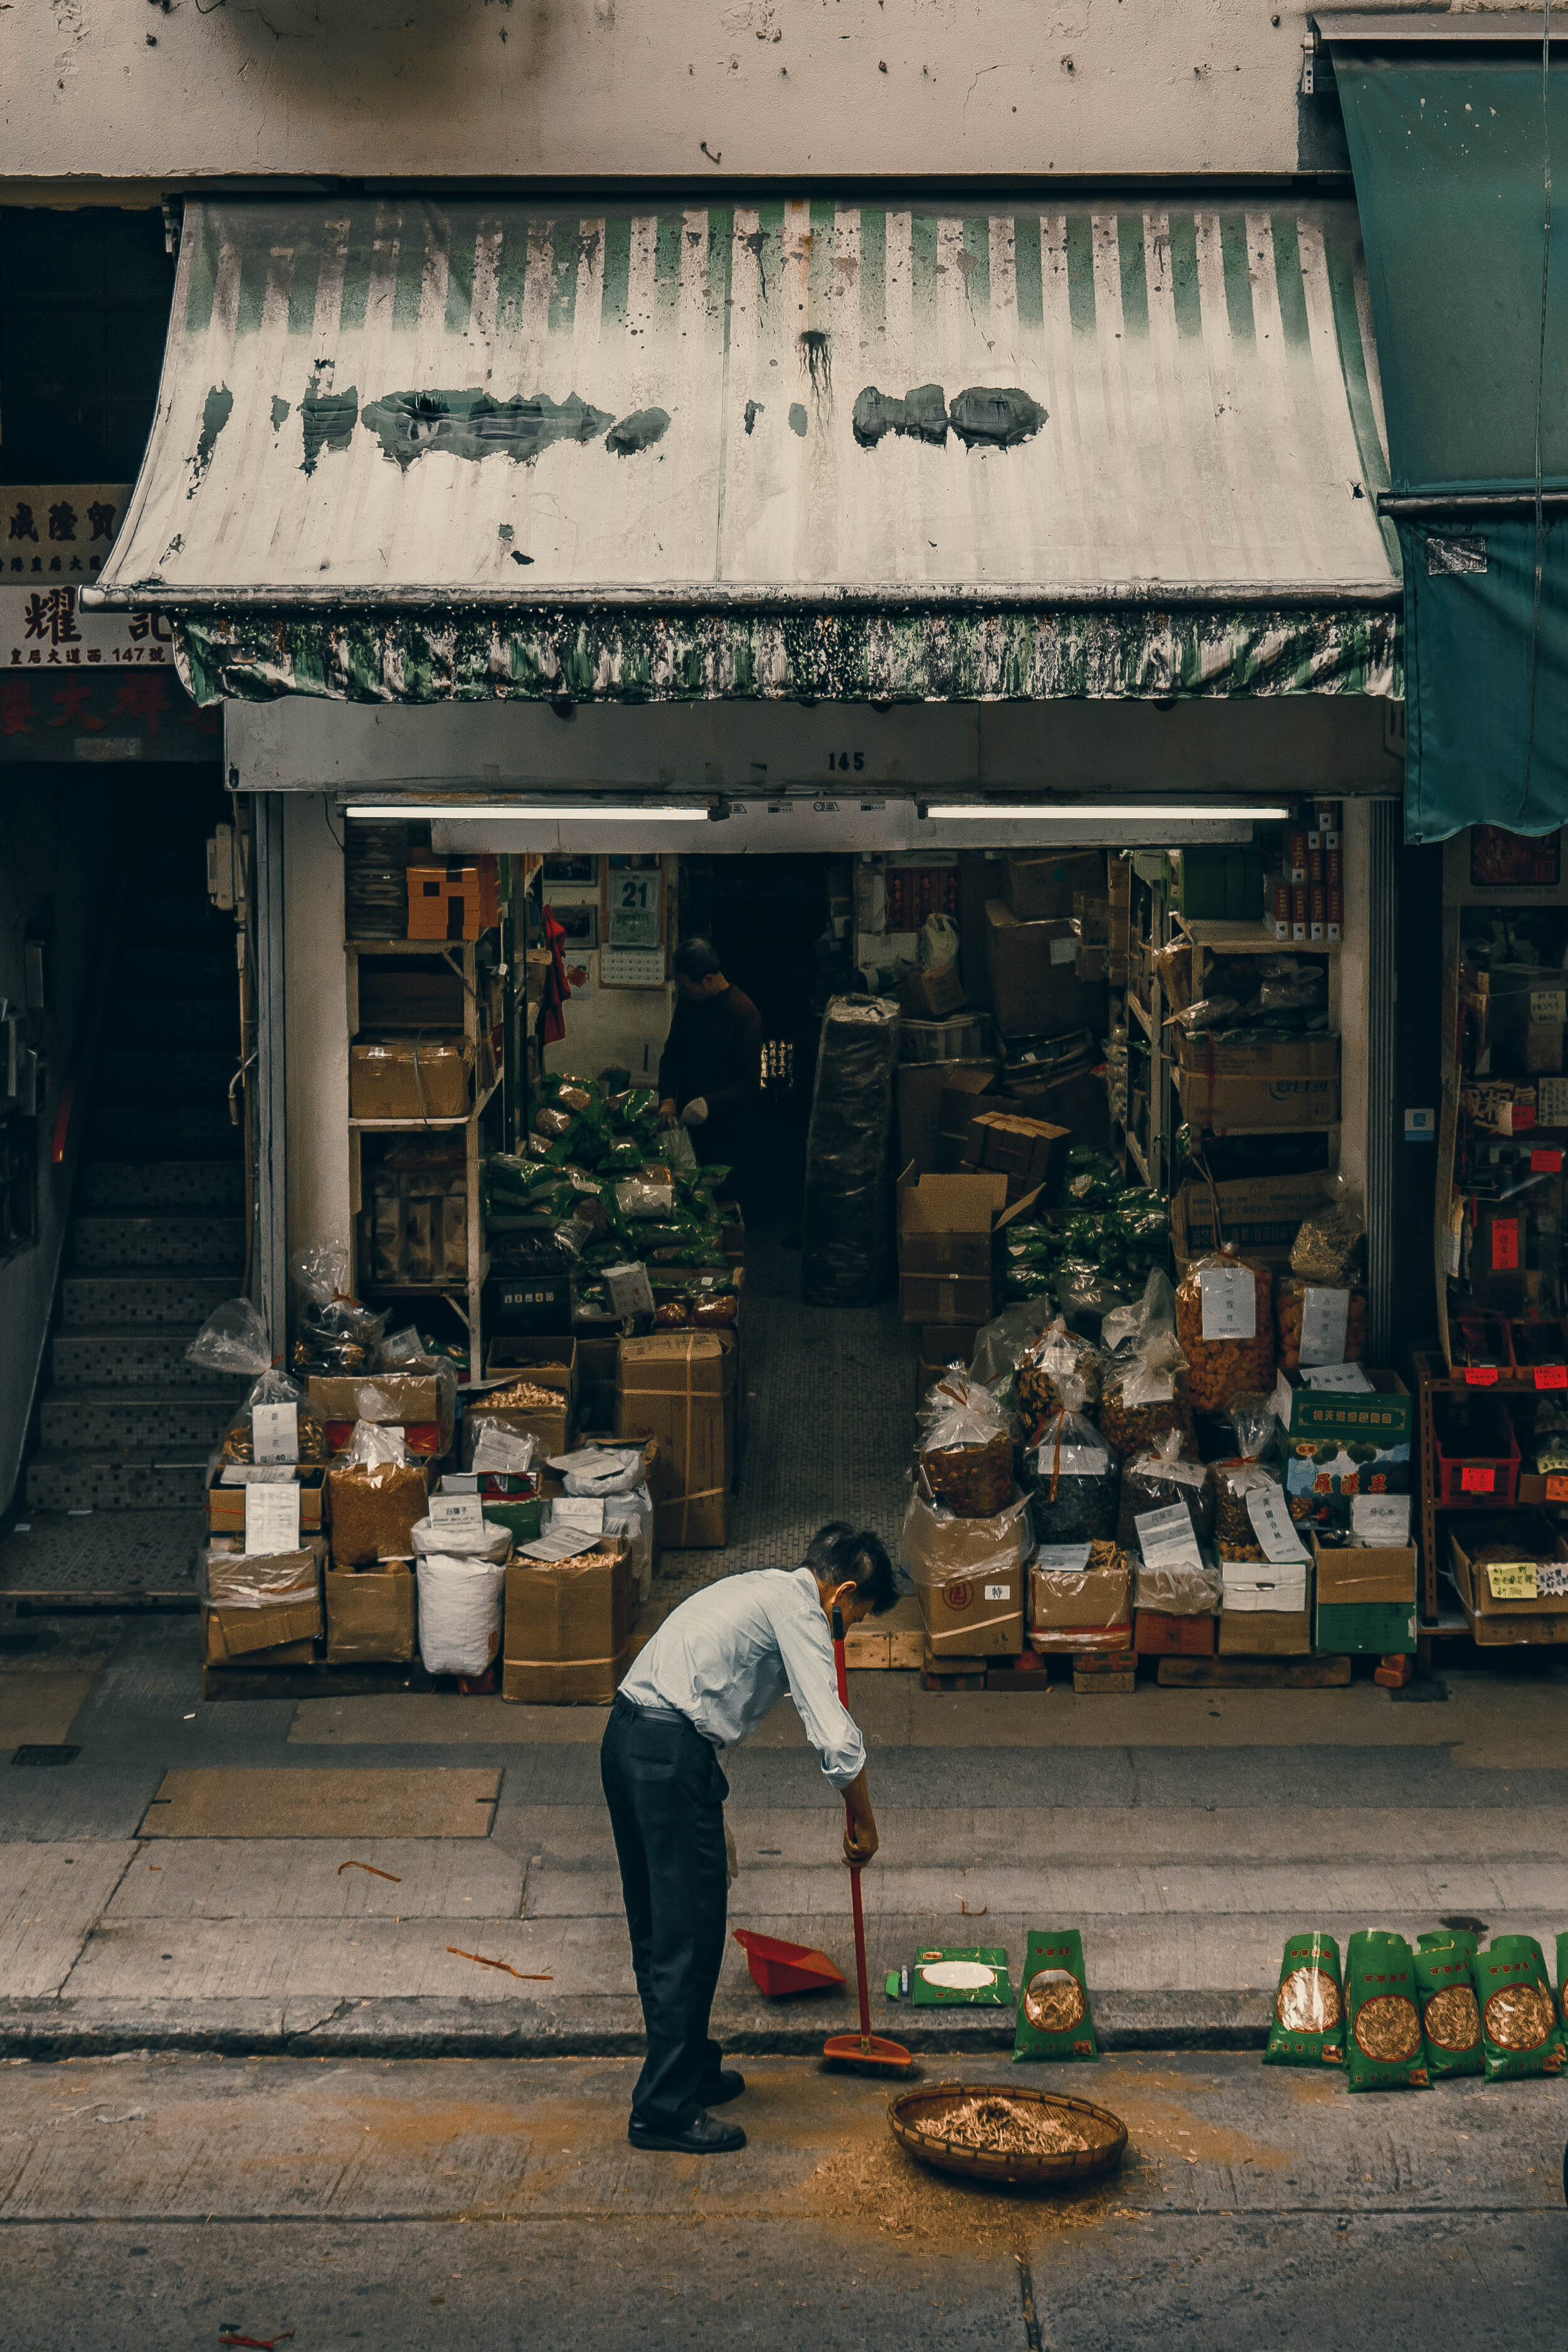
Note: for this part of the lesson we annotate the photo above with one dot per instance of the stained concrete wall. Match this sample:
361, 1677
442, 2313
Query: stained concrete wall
100, 90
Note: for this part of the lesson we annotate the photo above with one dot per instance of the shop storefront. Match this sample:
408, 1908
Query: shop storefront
1012, 584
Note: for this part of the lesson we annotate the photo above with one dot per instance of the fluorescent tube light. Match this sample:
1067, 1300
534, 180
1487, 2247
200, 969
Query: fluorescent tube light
1106, 813
520, 811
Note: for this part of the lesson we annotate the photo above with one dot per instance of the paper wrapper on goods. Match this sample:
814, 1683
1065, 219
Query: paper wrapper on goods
1384, 2050
1450, 2018
1520, 2032
1054, 2017
1309, 2025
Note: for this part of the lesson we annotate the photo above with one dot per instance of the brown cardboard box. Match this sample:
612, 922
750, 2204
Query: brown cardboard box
1035, 987
932, 996
1495, 1621
225, 1505
567, 1630
395, 1398
946, 1298
1092, 962
289, 1611
968, 1085
945, 1228
1261, 1215
1357, 1574
1256, 1053
924, 1088
410, 1080
1091, 913
453, 899
680, 1388
549, 1362
370, 1615
970, 1577
893, 1640
1157, 1634
285, 1654
974, 1619
1250, 1106
1014, 1145
1098, 1597
1073, 1096
1266, 1633
1041, 888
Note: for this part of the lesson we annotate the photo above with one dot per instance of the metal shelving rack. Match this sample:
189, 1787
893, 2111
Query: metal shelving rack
463, 1293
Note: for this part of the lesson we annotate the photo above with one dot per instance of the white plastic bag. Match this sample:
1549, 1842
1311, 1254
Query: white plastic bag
937, 945
600, 1469
496, 1448
489, 1541
631, 1515
459, 1613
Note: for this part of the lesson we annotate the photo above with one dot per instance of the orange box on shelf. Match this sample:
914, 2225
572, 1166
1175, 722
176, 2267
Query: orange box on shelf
454, 899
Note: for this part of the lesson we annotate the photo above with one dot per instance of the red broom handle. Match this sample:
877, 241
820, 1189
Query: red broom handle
849, 1824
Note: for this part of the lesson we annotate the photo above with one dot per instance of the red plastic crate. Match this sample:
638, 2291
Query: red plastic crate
1477, 1455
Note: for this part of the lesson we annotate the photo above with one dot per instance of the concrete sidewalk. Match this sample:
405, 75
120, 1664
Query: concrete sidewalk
1185, 1833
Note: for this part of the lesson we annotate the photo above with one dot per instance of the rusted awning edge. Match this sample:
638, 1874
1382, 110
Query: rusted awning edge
973, 654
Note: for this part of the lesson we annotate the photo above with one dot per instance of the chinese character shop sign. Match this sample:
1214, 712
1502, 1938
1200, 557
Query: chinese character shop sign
76, 685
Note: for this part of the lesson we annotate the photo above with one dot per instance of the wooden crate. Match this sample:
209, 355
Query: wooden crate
885, 1643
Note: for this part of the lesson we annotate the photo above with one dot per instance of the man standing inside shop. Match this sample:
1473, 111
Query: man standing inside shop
711, 1072
717, 1665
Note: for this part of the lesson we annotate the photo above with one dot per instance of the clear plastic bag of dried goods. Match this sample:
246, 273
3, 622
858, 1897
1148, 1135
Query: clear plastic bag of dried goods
377, 1497
1326, 1248
405, 1353
1158, 1478
253, 1603
1047, 1364
232, 1339
1318, 1323
1177, 1591
1245, 1474
1071, 1475
1144, 1388
1086, 1293
965, 1447
335, 1334
1001, 1345
1208, 1012
1224, 1326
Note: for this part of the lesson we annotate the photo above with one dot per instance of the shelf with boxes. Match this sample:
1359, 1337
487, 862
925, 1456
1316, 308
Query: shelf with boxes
1494, 1479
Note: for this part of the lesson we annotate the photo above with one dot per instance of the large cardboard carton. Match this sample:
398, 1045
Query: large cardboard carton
370, 1616
225, 1498
252, 1605
1157, 1634
1013, 1145
396, 1397
1041, 888
1065, 1599
923, 1090
410, 1080
455, 899
946, 1225
1035, 988
1363, 1575
567, 1631
548, 1361
1256, 1053
970, 1577
1256, 1106
1266, 1633
968, 1085
1261, 1215
678, 1387
1501, 1608
932, 996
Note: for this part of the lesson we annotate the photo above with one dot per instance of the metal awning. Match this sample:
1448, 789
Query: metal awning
412, 451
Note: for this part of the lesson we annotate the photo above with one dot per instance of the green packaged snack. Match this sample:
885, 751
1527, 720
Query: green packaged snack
1309, 2028
1450, 2022
1519, 2032
1384, 2049
1562, 1971
1054, 2019
967, 1976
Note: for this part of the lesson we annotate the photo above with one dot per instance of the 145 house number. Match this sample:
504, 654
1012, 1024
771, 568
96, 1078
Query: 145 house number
839, 763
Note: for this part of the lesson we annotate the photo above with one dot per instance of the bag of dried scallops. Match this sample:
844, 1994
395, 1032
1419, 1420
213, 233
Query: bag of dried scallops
1224, 1326
966, 1448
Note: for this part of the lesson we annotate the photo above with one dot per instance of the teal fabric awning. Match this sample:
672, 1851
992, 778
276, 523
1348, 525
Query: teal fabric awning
416, 451
1449, 124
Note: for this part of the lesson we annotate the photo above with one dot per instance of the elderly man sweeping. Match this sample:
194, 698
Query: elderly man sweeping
714, 1669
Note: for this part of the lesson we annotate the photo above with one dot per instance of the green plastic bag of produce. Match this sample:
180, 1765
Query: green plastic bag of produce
1519, 2032
1384, 2049
1450, 2021
1054, 2019
1309, 2028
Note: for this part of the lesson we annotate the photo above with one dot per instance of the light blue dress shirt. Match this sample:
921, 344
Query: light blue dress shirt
728, 1654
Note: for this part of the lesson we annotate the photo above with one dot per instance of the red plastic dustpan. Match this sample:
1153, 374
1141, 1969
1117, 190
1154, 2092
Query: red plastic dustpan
779, 1968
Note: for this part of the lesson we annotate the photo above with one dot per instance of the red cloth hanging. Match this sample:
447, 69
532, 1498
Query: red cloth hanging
557, 989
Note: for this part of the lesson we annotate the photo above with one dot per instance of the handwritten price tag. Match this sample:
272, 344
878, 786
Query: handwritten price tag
1543, 1162
1552, 1376
1557, 1490
1481, 1376
1505, 1244
1478, 1481
1512, 1579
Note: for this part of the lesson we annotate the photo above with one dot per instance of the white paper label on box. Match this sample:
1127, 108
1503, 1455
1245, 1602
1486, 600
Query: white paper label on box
631, 1293
1274, 1526
1230, 1302
257, 1474
271, 1519
459, 1482
1347, 1379
275, 1433
1548, 1005
1552, 1580
1166, 1539
559, 1543
1381, 1522
998, 1592
1551, 1102
1072, 1558
456, 1515
1325, 1317
1064, 951
1513, 1579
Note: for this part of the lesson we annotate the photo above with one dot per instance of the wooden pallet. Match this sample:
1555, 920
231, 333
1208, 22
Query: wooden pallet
893, 1642
1254, 1673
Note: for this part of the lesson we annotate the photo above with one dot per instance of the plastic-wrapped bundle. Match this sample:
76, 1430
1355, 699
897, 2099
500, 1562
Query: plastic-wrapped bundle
847, 1244
459, 1613
966, 1448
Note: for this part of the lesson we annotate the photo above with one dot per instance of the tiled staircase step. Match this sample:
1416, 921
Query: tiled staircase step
167, 1479
115, 1244
131, 1359
158, 1129
159, 1425
211, 1018
180, 1073
145, 1187
143, 1302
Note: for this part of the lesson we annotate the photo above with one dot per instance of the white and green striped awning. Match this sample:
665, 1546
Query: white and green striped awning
412, 451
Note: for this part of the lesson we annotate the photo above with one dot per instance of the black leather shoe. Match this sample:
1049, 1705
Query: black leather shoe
702, 2136
727, 2084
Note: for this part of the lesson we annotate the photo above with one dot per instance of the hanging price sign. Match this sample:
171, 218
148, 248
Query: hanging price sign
1552, 1376
1481, 1376
1478, 1481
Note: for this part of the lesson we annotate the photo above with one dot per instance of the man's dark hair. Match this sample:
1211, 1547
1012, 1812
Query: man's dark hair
696, 959
839, 1553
